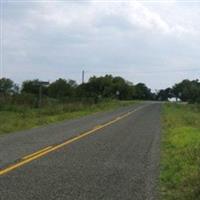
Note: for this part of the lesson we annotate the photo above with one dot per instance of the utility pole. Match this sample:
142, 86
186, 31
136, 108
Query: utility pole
83, 76
41, 84
40, 97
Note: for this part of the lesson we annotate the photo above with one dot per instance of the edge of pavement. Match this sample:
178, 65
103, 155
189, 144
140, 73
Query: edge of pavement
17, 145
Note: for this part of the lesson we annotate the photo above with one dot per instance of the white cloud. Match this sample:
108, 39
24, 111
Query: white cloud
125, 37
136, 12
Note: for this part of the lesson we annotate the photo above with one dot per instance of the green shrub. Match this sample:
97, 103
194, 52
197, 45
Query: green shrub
180, 160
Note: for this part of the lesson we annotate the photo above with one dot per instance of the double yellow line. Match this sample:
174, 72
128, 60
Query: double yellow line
29, 158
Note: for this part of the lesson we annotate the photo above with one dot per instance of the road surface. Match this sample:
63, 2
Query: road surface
109, 156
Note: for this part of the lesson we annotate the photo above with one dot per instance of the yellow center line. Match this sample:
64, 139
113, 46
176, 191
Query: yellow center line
47, 150
98, 126
37, 152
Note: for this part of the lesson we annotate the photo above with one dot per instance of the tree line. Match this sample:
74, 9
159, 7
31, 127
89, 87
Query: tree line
186, 90
96, 89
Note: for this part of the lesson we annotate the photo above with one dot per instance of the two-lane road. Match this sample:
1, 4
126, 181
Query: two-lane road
113, 155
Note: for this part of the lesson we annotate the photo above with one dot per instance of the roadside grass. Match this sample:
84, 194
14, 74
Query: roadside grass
180, 153
15, 118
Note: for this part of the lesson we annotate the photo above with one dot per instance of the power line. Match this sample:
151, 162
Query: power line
139, 72
128, 71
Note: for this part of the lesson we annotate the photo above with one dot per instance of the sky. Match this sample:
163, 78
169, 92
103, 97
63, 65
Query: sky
154, 42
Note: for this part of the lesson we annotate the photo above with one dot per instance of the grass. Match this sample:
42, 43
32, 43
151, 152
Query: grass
180, 156
15, 118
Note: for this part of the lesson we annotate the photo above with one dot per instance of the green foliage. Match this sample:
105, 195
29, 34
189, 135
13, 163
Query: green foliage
20, 117
113, 87
94, 91
188, 91
163, 95
61, 89
142, 92
31, 87
98, 88
180, 160
7, 86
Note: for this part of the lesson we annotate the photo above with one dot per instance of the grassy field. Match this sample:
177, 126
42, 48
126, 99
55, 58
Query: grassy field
180, 157
15, 118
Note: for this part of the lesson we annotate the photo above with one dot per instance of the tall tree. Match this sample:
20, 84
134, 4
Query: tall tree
142, 92
164, 95
7, 86
31, 86
188, 90
61, 88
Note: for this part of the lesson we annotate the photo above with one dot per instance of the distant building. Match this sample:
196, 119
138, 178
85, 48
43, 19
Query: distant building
174, 99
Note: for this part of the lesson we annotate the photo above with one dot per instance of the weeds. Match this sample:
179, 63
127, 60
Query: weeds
19, 117
180, 158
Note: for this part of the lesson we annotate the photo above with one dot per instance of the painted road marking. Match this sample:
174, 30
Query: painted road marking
98, 126
37, 152
29, 158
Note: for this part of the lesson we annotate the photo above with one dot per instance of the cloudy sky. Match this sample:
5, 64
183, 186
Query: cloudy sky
155, 42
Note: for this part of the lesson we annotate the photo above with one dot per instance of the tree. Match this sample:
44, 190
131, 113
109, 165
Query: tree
7, 86
123, 87
107, 87
61, 89
142, 92
72, 83
187, 90
31, 87
163, 95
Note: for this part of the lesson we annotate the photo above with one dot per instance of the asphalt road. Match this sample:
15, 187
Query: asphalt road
111, 155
